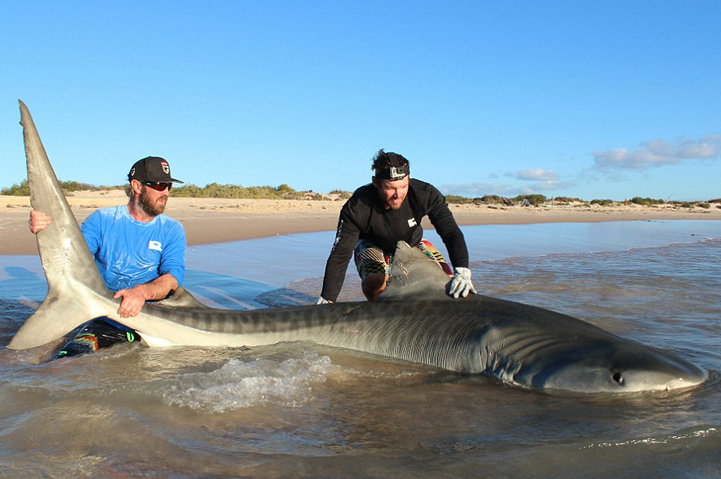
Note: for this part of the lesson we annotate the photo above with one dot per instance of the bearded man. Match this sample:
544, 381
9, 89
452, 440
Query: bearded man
139, 251
380, 214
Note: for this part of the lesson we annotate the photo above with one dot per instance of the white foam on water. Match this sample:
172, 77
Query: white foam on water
655, 441
293, 410
238, 384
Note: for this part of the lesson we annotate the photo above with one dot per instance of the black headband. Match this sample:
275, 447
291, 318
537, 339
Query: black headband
393, 173
398, 168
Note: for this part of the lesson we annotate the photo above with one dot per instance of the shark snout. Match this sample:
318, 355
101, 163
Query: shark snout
624, 372
671, 377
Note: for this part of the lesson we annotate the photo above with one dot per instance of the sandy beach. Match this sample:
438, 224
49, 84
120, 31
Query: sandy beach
215, 220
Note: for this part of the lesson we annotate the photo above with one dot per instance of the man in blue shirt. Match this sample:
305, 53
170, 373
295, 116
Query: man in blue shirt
140, 251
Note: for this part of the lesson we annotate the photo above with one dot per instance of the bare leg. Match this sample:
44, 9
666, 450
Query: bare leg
374, 285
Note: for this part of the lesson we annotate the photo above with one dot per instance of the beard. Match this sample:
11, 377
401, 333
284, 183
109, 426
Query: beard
149, 207
388, 205
395, 206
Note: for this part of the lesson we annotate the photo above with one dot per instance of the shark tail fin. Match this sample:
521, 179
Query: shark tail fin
69, 267
55, 317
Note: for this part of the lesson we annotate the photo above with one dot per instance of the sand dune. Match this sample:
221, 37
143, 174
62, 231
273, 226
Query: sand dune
216, 220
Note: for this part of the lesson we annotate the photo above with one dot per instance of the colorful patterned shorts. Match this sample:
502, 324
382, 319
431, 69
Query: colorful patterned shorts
370, 259
96, 334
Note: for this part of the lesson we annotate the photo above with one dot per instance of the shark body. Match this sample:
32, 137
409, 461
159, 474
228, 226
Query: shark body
415, 321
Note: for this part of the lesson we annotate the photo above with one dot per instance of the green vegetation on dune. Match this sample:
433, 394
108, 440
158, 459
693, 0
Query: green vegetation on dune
285, 192
637, 200
342, 194
534, 200
216, 190
491, 200
459, 200
565, 200
22, 188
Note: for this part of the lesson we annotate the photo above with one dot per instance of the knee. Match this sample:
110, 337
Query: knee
374, 285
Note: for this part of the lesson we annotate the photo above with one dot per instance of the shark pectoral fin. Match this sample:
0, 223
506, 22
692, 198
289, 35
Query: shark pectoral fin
55, 318
181, 299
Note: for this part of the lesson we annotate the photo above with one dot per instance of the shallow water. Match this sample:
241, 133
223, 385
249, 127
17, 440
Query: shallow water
299, 410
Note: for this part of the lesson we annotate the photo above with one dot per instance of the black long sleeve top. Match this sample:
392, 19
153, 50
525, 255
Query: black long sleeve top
364, 217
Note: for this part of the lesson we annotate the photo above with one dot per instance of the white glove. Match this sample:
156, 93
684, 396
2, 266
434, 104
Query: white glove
322, 300
461, 283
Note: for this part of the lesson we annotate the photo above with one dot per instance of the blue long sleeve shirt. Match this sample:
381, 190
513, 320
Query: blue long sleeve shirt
130, 252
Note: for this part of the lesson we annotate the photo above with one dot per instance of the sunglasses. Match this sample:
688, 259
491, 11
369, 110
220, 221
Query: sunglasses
157, 186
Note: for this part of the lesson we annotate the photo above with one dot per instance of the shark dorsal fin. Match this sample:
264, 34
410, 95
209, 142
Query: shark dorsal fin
414, 274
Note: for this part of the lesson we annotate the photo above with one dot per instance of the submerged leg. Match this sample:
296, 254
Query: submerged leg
95, 334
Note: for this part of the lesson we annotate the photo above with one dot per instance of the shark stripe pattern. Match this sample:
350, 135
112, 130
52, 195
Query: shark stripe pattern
415, 320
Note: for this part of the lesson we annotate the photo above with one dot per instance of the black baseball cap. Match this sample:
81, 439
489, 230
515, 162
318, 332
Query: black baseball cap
152, 168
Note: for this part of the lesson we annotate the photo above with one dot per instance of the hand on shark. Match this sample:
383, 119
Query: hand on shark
132, 299
38, 221
461, 283
132, 302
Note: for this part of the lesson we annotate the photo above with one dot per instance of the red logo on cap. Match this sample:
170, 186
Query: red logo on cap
165, 166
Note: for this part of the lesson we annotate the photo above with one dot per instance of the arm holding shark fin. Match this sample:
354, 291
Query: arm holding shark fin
38, 221
133, 297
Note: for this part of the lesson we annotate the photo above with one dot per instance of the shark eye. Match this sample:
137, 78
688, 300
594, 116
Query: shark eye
618, 377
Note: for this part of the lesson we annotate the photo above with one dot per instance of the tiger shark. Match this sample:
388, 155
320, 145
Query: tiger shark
415, 320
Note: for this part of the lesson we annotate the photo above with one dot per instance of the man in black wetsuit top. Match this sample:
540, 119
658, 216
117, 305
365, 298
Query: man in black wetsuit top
380, 214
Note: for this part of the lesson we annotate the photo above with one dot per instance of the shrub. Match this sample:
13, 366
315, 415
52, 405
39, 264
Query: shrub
566, 200
646, 201
489, 200
344, 195
70, 186
534, 200
216, 190
23, 188
458, 200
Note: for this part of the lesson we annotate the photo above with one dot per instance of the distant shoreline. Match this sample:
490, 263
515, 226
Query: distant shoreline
218, 220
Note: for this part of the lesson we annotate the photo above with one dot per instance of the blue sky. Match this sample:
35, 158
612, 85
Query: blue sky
586, 99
